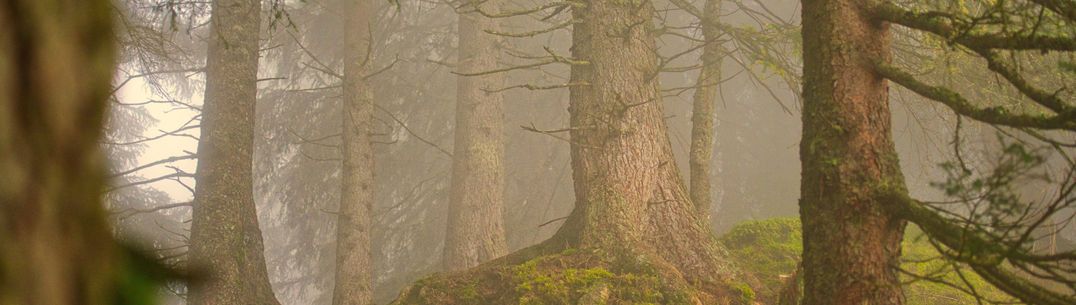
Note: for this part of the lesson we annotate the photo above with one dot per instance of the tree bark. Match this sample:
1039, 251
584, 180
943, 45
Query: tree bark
850, 243
354, 265
475, 221
629, 194
702, 115
56, 62
225, 237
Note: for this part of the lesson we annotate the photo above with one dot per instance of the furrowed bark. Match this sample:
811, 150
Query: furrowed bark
629, 194
475, 222
850, 242
354, 265
225, 238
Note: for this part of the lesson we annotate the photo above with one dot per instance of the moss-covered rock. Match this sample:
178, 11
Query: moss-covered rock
771, 249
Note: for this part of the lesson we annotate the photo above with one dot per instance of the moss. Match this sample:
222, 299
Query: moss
746, 294
561, 279
768, 248
568, 277
469, 293
771, 248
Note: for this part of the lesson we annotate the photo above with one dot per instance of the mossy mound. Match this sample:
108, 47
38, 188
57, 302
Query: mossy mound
771, 250
571, 277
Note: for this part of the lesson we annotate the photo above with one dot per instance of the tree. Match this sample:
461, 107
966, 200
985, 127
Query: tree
55, 69
702, 114
225, 237
854, 203
475, 222
354, 266
632, 210
850, 242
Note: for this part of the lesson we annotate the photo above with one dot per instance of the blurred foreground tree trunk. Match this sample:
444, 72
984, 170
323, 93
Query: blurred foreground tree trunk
702, 114
56, 64
225, 238
475, 220
354, 266
850, 243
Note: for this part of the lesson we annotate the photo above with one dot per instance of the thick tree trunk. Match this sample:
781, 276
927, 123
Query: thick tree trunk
56, 62
225, 237
850, 243
629, 194
633, 215
475, 222
354, 266
702, 115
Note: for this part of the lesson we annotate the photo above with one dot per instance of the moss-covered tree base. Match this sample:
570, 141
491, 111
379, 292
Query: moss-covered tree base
585, 277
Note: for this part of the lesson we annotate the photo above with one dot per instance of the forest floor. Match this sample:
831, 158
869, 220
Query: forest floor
769, 249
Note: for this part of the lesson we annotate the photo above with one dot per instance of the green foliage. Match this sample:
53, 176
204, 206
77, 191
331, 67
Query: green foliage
771, 248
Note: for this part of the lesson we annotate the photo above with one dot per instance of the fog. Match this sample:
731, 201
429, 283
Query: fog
411, 74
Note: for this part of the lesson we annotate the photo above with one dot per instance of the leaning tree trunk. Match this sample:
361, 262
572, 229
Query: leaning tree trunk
702, 115
475, 222
629, 194
850, 243
354, 266
225, 238
56, 62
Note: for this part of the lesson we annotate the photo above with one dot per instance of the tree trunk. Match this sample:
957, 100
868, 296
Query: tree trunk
702, 115
629, 194
850, 243
56, 62
225, 237
354, 266
475, 221
633, 215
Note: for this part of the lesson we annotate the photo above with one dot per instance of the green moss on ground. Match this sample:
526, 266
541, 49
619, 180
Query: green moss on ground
771, 249
571, 277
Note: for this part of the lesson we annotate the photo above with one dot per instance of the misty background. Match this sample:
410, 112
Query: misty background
153, 131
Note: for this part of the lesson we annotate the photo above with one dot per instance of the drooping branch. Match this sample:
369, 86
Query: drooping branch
1065, 8
992, 115
127, 213
965, 33
1040, 96
987, 258
155, 163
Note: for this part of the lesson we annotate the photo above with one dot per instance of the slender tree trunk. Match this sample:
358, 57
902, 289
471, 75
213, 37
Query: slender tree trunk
702, 115
354, 266
850, 243
475, 221
56, 62
225, 237
629, 194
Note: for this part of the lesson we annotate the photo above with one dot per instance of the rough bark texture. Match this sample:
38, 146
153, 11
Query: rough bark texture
633, 216
56, 62
354, 266
629, 194
702, 115
850, 243
225, 238
475, 224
